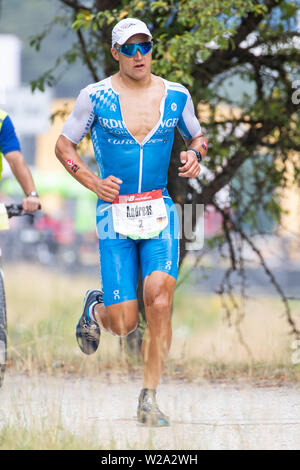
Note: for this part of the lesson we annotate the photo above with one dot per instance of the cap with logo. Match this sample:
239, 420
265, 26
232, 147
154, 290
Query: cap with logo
127, 28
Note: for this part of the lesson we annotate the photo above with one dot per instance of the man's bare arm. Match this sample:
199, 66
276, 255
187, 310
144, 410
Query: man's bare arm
199, 143
106, 189
191, 167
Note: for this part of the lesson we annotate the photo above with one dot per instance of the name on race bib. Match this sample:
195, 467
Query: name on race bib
141, 215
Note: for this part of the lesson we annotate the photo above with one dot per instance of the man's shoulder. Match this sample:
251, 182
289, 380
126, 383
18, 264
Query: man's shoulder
176, 86
3, 115
6, 123
95, 87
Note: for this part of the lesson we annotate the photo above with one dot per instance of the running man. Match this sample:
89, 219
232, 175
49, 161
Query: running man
11, 150
132, 116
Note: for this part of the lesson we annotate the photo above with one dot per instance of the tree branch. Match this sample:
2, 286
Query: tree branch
220, 60
247, 146
75, 5
239, 230
281, 37
86, 56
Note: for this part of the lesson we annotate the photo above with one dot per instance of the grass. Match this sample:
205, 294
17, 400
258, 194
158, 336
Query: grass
44, 306
40, 437
43, 309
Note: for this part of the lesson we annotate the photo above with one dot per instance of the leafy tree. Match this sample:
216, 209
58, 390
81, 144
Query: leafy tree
204, 44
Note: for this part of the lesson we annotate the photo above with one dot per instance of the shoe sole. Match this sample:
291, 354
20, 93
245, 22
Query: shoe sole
149, 421
87, 349
78, 330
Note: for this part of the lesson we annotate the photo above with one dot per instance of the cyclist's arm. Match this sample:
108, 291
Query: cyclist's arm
20, 170
75, 128
10, 147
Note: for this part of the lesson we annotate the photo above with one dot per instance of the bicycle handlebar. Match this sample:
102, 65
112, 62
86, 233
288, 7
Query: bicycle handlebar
14, 210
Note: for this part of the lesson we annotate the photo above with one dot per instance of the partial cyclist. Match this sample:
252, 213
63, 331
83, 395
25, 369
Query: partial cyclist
11, 150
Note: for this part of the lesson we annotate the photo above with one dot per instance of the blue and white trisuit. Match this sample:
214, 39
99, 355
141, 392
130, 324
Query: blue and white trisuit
142, 167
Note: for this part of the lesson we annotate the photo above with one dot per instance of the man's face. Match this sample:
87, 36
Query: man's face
138, 66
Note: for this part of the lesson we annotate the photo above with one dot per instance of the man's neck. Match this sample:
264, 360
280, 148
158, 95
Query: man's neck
124, 81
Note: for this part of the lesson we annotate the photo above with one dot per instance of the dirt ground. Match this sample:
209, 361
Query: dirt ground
204, 416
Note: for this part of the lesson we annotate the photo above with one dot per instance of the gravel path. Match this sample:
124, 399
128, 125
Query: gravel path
204, 416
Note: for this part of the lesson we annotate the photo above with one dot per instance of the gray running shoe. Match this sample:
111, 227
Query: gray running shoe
87, 330
148, 412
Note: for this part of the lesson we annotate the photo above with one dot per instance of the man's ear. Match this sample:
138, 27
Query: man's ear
115, 54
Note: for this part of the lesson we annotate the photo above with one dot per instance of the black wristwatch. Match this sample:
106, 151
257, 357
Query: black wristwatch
32, 194
198, 155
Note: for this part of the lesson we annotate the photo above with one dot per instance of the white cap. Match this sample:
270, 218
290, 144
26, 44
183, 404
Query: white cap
127, 28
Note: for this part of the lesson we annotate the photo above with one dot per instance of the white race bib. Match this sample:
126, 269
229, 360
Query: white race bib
141, 215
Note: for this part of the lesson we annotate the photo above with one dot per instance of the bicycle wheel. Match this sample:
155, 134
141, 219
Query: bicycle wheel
3, 330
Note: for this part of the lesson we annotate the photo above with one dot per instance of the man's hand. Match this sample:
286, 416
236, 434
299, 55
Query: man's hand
109, 188
31, 204
191, 167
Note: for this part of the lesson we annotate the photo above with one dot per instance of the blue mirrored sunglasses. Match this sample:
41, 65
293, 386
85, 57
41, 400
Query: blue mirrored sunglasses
130, 49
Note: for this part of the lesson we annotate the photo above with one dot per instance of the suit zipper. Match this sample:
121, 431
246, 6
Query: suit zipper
141, 169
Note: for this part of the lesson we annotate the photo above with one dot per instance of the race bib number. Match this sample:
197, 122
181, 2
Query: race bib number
140, 216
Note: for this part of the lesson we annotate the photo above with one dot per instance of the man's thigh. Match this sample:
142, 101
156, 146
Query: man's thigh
159, 254
119, 265
158, 290
162, 253
119, 261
